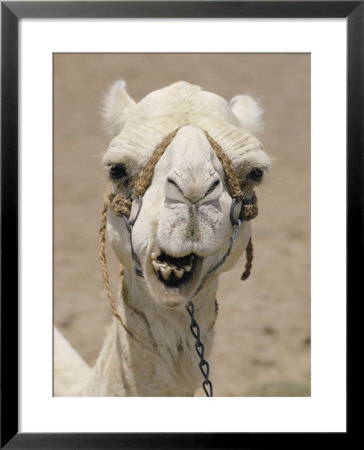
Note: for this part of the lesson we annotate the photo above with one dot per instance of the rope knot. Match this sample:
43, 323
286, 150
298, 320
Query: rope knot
249, 210
120, 205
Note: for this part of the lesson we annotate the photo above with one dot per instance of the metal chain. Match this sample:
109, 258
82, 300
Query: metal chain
203, 365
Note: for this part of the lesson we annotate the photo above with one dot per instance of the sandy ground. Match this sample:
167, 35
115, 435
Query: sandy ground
262, 343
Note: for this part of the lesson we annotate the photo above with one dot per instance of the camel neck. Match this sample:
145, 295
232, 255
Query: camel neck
160, 359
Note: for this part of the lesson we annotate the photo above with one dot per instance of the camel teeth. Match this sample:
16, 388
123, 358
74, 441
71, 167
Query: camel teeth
178, 272
166, 272
156, 266
165, 268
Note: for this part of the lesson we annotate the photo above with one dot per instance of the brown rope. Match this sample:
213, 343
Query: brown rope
249, 260
105, 273
232, 178
121, 205
250, 207
249, 211
103, 261
147, 172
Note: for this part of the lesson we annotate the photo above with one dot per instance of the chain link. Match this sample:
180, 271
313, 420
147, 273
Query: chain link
200, 349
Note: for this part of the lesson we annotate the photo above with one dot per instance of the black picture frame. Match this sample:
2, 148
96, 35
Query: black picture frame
11, 12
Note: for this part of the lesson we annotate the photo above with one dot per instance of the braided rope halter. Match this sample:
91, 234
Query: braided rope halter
121, 207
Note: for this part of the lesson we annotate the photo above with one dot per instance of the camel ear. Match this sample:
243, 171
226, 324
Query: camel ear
249, 113
116, 106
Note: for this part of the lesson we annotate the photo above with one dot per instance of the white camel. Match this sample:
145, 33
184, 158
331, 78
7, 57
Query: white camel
180, 241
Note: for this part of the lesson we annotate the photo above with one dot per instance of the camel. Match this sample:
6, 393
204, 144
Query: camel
178, 234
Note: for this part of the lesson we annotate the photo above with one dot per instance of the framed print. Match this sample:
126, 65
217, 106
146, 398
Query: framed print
76, 147
278, 364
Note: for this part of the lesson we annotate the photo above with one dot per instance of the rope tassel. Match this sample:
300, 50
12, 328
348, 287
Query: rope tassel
249, 260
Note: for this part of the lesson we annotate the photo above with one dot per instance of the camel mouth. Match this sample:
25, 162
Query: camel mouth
172, 280
173, 272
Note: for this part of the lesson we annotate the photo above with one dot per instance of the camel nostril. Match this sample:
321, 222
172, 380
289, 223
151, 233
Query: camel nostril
212, 187
170, 181
194, 191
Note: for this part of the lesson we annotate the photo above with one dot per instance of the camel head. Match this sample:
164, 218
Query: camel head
183, 226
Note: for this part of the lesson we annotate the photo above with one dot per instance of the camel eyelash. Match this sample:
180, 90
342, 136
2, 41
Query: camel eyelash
255, 175
117, 171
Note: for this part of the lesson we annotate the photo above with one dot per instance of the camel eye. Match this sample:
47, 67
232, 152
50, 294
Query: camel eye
256, 174
117, 171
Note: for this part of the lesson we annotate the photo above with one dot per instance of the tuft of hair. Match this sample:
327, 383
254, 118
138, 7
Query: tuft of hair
249, 112
116, 105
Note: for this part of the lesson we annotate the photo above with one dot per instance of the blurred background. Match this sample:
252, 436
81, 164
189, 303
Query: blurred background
262, 342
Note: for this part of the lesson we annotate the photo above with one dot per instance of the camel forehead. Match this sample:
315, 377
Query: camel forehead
184, 99
177, 106
176, 93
